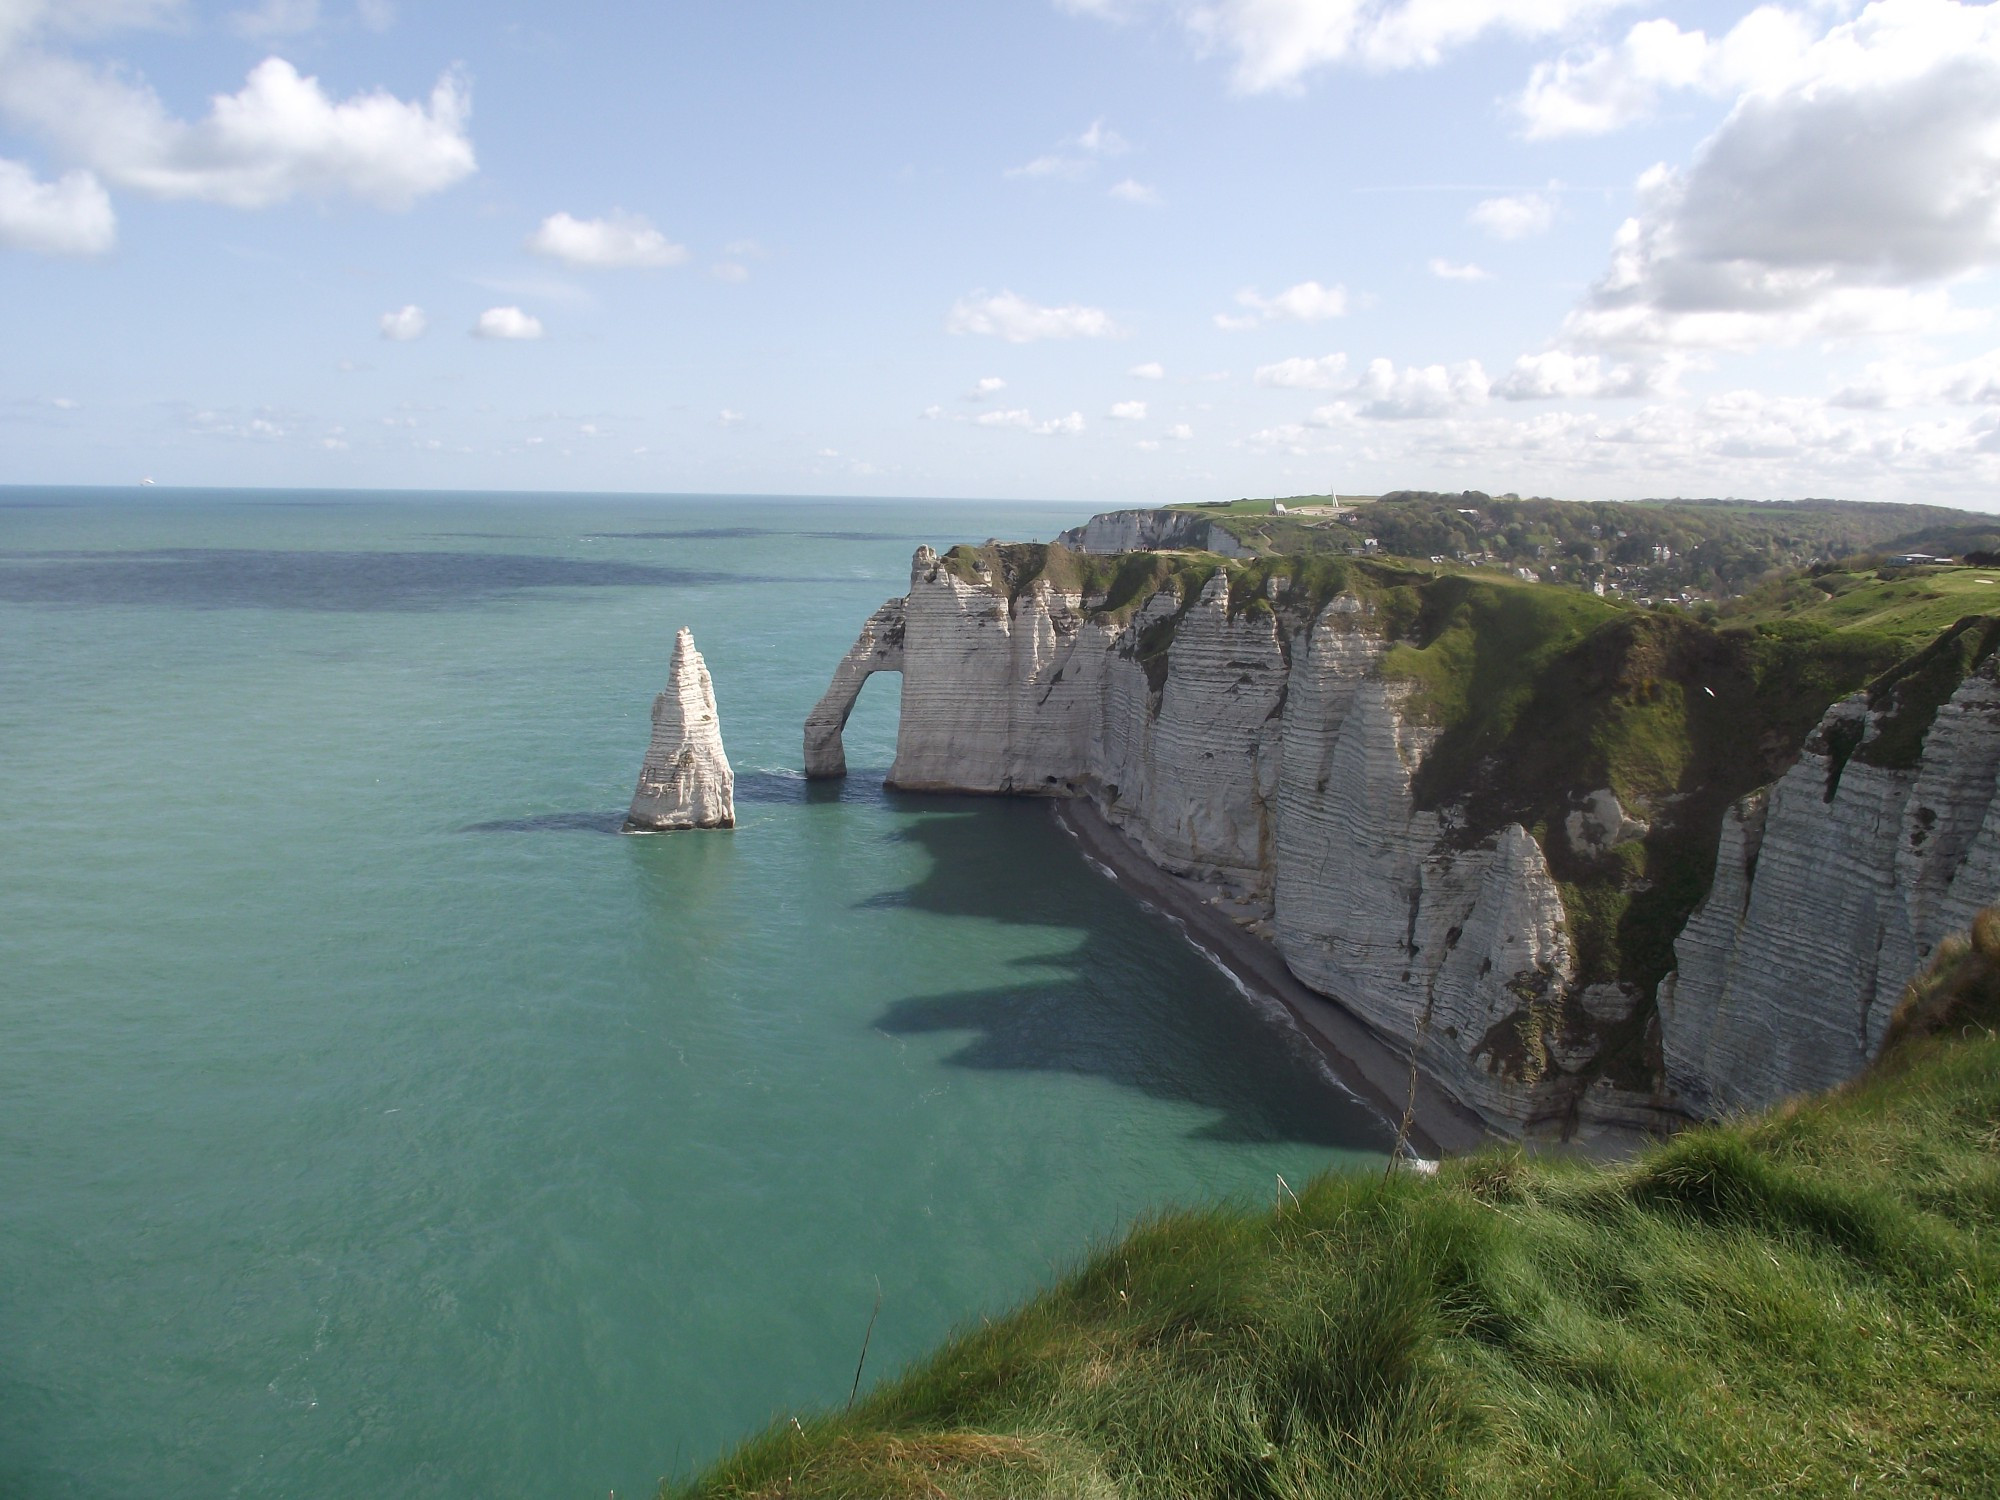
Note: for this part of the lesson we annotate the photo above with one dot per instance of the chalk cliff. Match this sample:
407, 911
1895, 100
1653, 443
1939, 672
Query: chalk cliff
1151, 531
685, 781
1830, 890
1250, 728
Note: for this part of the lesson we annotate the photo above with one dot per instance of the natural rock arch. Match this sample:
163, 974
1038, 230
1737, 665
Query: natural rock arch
879, 648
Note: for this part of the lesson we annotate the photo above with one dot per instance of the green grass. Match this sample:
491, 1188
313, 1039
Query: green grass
1910, 606
1802, 1304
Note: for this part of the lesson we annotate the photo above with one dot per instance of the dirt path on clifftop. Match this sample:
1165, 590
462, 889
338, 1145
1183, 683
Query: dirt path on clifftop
1369, 1066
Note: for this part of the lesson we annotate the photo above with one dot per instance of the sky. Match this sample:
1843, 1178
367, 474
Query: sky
1127, 251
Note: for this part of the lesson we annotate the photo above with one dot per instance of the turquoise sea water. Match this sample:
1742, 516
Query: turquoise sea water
374, 1122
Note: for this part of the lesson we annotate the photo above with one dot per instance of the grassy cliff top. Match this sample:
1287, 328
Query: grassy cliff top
1805, 1304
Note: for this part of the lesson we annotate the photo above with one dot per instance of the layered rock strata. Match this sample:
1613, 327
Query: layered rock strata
1151, 531
1257, 747
685, 781
1832, 887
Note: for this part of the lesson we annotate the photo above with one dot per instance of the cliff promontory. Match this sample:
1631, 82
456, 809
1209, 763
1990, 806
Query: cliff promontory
1522, 831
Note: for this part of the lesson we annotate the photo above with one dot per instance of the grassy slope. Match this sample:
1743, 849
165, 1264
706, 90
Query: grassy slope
1802, 1304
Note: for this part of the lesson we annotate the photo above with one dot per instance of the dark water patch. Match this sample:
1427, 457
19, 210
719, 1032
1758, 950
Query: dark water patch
340, 582
739, 533
560, 822
688, 534
1130, 1015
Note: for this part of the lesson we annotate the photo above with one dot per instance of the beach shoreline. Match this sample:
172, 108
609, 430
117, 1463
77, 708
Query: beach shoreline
1366, 1064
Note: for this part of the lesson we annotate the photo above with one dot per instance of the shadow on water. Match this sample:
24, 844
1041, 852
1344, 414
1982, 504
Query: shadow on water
738, 533
781, 788
241, 578
1138, 1008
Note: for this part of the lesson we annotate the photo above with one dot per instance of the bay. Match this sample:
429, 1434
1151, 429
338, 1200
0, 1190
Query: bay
375, 1121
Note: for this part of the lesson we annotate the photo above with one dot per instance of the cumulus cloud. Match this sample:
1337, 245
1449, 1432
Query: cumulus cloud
1392, 394
1559, 374
1515, 217
1152, 369
1446, 270
1133, 191
1599, 88
1840, 202
70, 216
1180, 432
1019, 321
1308, 302
986, 385
405, 323
1274, 44
507, 323
1128, 411
280, 136
1326, 373
617, 241
1024, 421
1890, 385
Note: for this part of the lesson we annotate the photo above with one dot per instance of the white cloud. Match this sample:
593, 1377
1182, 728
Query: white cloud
1421, 390
1276, 43
1308, 302
70, 216
404, 323
986, 385
280, 136
729, 418
1019, 321
618, 241
276, 18
1133, 191
1326, 373
1890, 385
1452, 271
507, 323
1076, 157
1839, 203
1128, 411
1180, 432
1558, 374
1515, 217
1152, 369
729, 270
1598, 89
1024, 421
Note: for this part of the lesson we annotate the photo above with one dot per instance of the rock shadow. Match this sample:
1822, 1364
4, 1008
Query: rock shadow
559, 822
1133, 1003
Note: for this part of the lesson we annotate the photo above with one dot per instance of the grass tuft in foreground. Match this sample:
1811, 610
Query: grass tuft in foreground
1806, 1303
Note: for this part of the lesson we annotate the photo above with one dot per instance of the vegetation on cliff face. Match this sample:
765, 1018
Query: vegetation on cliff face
1805, 1303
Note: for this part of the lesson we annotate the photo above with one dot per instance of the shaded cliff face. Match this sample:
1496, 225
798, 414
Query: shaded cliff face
1477, 814
1834, 884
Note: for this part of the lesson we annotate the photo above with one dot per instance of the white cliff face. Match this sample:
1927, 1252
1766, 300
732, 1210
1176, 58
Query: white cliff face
1462, 949
685, 781
1151, 531
1266, 755
1190, 771
998, 695
1824, 905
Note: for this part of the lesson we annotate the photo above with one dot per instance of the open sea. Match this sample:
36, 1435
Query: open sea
375, 1121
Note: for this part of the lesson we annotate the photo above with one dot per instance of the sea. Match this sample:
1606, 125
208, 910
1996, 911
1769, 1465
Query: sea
376, 1120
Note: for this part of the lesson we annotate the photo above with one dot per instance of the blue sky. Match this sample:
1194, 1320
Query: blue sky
1125, 250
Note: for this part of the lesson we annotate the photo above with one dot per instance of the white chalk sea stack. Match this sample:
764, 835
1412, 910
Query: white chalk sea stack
686, 781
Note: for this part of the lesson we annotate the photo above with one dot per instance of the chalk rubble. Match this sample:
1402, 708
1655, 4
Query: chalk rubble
686, 781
